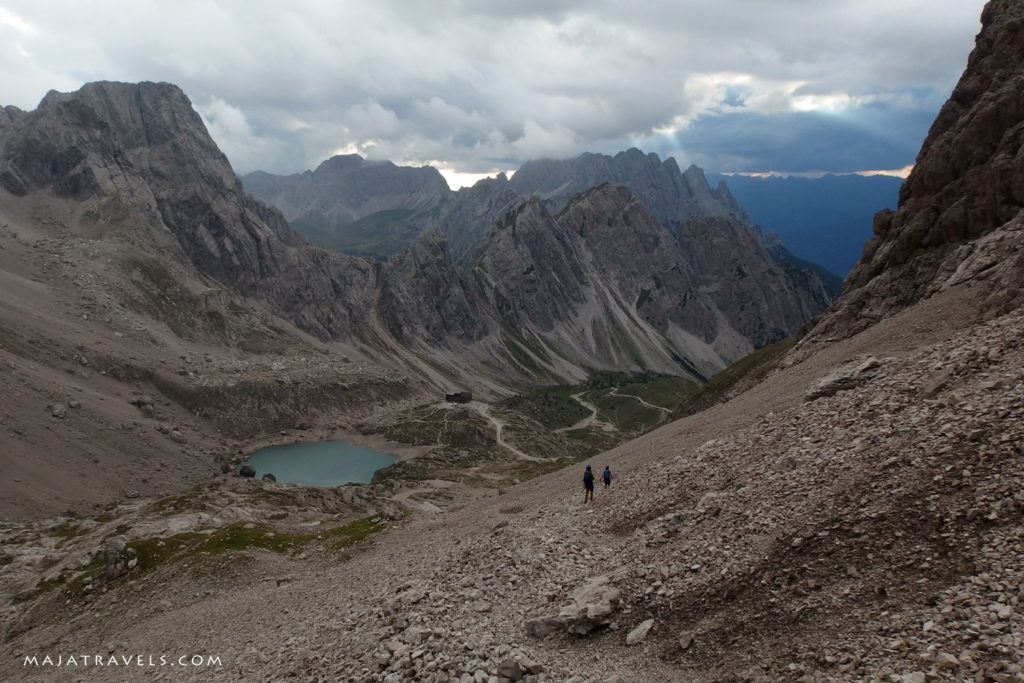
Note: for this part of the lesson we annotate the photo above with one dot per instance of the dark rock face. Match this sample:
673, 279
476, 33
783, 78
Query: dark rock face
605, 282
471, 212
247, 471
532, 269
764, 300
426, 300
959, 216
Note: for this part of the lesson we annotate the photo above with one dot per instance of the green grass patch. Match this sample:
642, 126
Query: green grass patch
554, 408
746, 372
626, 413
427, 426
241, 536
593, 440
65, 531
666, 392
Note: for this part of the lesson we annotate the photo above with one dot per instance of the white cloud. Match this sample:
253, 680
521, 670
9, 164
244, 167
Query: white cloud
9, 18
484, 85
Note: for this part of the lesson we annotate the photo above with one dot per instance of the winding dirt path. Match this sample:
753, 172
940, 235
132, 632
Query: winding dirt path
499, 427
615, 392
587, 421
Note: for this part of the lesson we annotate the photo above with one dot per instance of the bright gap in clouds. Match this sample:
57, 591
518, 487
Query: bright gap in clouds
895, 172
9, 18
457, 179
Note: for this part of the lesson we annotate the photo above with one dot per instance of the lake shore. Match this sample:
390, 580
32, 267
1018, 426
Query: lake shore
402, 451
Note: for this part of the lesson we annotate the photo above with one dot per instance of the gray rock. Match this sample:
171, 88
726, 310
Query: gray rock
545, 627
247, 471
639, 634
531, 667
590, 606
114, 559
58, 410
268, 477
847, 377
510, 669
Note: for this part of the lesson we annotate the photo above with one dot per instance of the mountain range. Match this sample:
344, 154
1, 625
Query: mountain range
134, 162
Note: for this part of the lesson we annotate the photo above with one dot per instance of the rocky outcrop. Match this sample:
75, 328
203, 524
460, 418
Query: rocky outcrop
849, 376
959, 218
590, 606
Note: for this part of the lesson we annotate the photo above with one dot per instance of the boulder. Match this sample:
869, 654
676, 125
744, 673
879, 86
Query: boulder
846, 377
510, 669
639, 634
247, 471
269, 477
590, 607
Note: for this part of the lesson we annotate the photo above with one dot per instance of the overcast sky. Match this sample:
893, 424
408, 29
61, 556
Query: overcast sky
789, 86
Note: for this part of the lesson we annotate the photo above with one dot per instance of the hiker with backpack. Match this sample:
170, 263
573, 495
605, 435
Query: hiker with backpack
588, 485
607, 476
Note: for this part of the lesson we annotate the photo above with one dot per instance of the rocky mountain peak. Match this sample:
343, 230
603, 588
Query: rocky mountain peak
78, 143
378, 196
669, 195
340, 163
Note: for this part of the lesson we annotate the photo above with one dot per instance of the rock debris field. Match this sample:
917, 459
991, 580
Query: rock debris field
794, 533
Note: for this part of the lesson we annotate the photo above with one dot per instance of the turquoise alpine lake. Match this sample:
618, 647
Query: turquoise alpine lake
322, 463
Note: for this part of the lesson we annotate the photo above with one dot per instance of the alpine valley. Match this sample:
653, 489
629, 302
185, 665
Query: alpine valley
805, 487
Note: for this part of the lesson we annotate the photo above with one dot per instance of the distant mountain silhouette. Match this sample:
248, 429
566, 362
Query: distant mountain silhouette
825, 220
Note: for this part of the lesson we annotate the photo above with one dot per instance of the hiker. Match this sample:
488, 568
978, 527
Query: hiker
607, 476
588, 485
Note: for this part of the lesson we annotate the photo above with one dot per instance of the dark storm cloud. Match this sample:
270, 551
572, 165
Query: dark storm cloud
479, 86
874, 137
